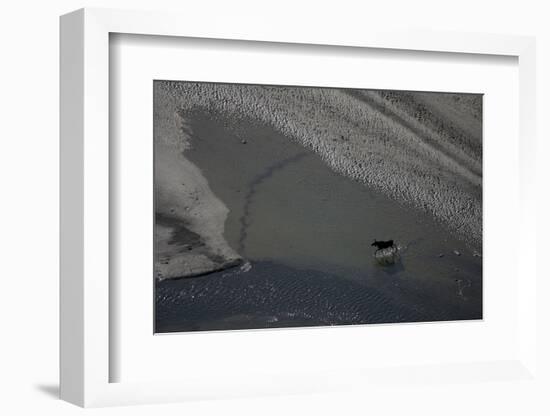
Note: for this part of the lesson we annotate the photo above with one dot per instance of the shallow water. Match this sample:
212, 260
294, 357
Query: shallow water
271, 295
307, 231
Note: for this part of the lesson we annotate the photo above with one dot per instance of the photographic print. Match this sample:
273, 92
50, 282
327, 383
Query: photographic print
291, 206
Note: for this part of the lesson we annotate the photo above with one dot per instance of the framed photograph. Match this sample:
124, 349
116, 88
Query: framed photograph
276, 212
269, 200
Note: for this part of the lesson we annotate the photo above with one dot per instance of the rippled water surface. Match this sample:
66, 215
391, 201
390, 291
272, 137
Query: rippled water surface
271, 295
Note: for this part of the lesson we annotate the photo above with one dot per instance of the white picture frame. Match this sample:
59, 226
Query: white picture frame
85, 216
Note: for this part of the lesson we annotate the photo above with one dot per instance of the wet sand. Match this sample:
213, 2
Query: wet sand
419, 148
190, 219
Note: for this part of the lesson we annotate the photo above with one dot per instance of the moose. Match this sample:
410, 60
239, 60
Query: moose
380, 245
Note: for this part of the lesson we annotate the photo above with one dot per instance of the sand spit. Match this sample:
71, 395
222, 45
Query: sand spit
189, 217
421, 149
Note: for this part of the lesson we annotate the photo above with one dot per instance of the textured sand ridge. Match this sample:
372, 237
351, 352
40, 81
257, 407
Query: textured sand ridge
421, 149
189, 219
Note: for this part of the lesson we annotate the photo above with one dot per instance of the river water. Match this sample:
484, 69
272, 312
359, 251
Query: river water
306, 232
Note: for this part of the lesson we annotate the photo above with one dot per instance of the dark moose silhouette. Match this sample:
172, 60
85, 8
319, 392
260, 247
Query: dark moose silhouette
380, 245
